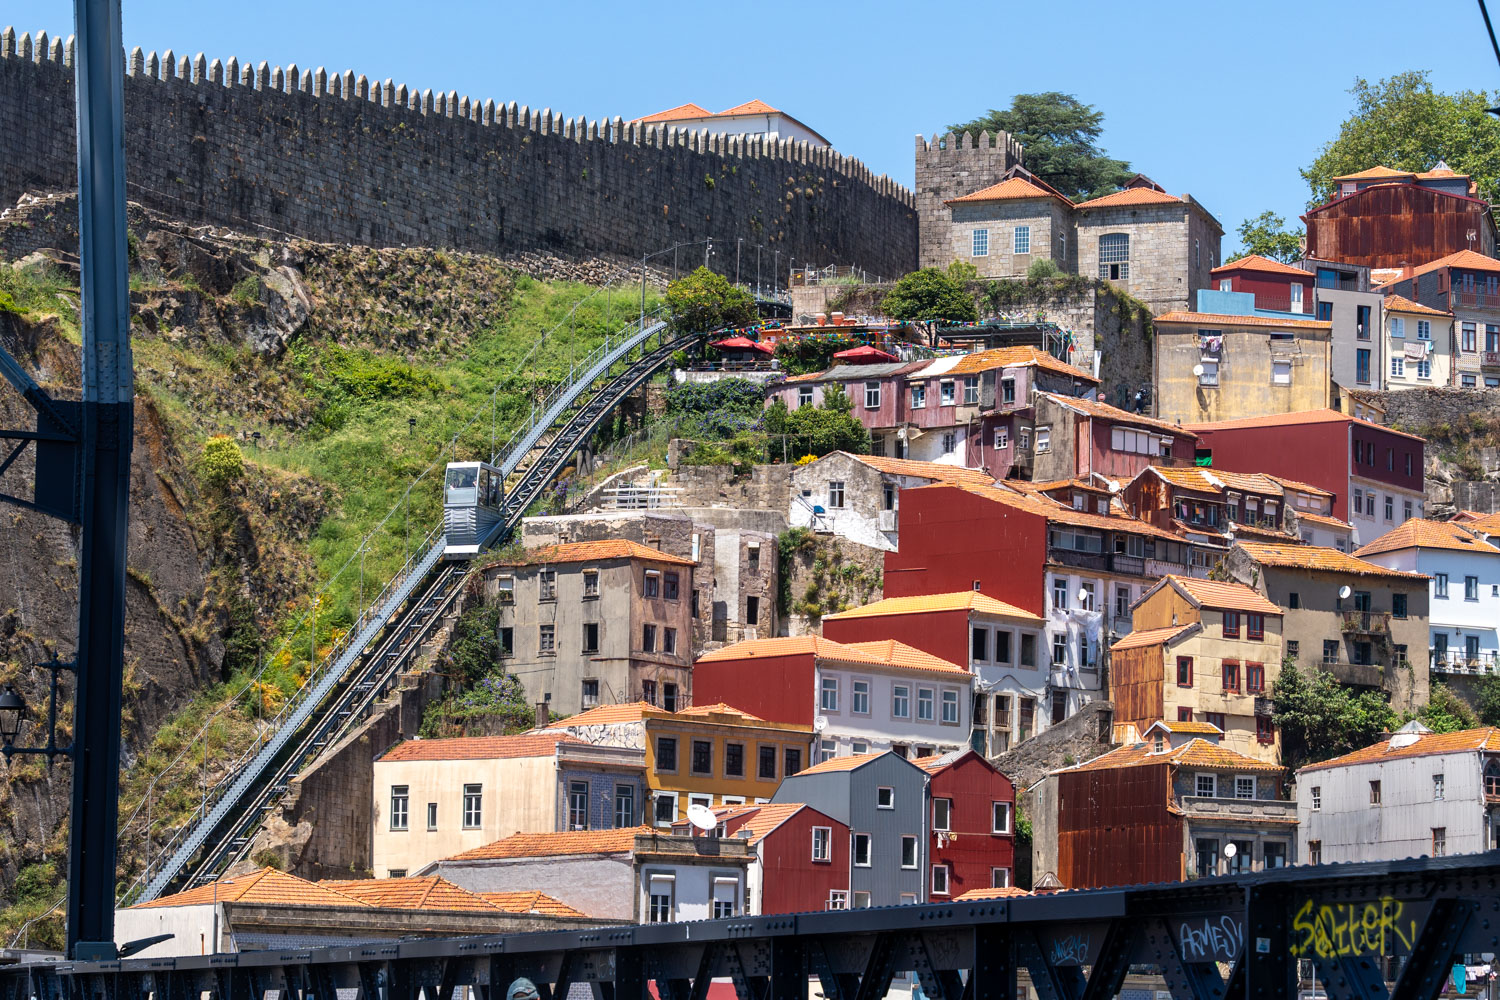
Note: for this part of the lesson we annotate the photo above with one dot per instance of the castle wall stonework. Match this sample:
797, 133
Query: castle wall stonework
950, 167
344, 159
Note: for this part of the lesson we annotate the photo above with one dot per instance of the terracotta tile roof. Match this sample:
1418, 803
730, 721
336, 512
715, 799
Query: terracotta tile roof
1223, 595
1375, 173
1437, 172
1187, 728
1003, 892
766, 817
1400, 303
1015, 357
1466, 259
1318, 558
608, 715
1054, 511
1265, 265
542, 845
431, 892
1196, 752
1007, 190
885, 653
924, 470
1131, 196
1209, 480
479, 747
689, 110
961, 600
266, 885
1324, 519
609, 548
1104, 411
718, 708
1422, 534
846, 763
1486, 739
1292, 484
1226, 320
531, 902
1152, 636
1489, 524
1298, 419
937, 762
754, 106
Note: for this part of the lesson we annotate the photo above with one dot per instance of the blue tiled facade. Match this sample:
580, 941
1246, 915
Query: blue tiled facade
602, 786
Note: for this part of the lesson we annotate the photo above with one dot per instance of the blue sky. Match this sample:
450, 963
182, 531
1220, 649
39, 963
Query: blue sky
1225, 101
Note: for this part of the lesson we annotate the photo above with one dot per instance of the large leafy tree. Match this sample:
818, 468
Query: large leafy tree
705, 300
1319, 718
1402, 123
1267, 235
1061, 136
929, 294
818, 430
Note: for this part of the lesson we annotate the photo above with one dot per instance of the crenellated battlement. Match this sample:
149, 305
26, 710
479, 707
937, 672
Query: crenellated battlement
952, 165
398, 120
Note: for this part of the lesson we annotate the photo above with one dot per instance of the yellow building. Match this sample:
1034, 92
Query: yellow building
1211, 366
1202, 651
708, 754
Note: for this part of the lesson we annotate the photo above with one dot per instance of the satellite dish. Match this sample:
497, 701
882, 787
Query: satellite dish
820, 723
1344, 592
1083, 597
1197, 369
702, 817
1114, 487
1230, 850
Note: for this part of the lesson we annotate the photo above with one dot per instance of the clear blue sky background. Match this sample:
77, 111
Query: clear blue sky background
1223, 101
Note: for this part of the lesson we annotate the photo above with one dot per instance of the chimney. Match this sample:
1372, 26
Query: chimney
543, 714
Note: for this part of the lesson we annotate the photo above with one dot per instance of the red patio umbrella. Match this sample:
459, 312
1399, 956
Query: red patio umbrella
864, 352
742, 344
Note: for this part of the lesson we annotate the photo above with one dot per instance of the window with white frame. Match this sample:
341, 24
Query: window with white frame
924, 704
981, 244
1424, 368
942, 814
1002, 438
1281, 371
1398, 327
1114, 256
1043, 439
859, 697
1207, 785
830, 698
822, 843
838, 899
826, 750
1398, 366
1244, 787
1317, 797
1424, 330
473, 801
400, 806
971, 390
900, 701
1210, 373
999, 878
861, 850
945, 392
885, 797
950, 442
908, 852
872, 395
1001, 818
726, 897
661, 890
940, 880
950, 708
836, 494
1021, 240
918, 396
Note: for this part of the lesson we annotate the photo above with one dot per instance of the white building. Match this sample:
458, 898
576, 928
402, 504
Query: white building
891, 696
1415, 794
1464, 605
754, 117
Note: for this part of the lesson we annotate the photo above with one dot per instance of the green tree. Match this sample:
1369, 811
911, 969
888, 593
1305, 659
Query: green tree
929, 294
704, 301
1043, 269
1402, 123
963, 272
222, 464
1319, 718
1487, 690
818, 430
1446, 712
1267, 235
1061, 136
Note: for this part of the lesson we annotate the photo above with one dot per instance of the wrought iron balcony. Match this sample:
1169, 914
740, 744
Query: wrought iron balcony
1367, 622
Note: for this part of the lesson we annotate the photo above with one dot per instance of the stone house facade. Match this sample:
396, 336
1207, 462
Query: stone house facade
947, 168
1004, 228
595, 623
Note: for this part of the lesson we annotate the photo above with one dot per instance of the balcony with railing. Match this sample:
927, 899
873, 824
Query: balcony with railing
1489, 359
1474, 299
1367, 623
1358, 674
1457, 661
1082, 560
1220, 808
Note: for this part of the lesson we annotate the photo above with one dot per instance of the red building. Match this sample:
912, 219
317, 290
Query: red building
971, 824
1384, 218
801, 855
1373, 472
1087, 437
1275, 285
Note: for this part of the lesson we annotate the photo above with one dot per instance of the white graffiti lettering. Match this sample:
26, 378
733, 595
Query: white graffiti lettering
1211, 940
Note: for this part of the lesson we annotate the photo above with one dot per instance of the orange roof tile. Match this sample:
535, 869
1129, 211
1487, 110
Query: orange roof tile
1094, 408
1486, 739
1007, 190
1001, 892
1400, 303
1292, 484
1466, 259
1226, 320
531, 902
1131, 196
1317, 558
885, 653
1375, 173
1422, 534
1054, 511
1015, 357
431, 892
266, 886
846, 763
961, 600
1152, 636
1265, 265
1222, 595
1488, 524
688, 110
719, 708
923, 470
606, 715
1297, 419
1196, 752
754, 106
1187, 728
541, 845
479, 747
575, 552
1324, 519
766, 817
1209, 480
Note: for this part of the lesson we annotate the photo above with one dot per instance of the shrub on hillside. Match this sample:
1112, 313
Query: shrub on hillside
818, 430
727, 395
705, 301
222, 464
929, 294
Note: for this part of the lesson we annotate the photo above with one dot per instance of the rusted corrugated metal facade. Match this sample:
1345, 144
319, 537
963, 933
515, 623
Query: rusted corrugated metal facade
1135, 685
1396, 225
1114, 827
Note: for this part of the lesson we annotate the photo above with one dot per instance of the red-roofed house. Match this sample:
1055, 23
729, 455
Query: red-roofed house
434, 798
1467, 285
1086, 438
971, 824
1202, 651
1000, 644
752, 118
1275, 285
1004, 228
596, 622
801, 856
1162, 810
860, 697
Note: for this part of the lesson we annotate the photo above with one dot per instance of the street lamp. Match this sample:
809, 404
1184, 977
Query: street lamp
12, 709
